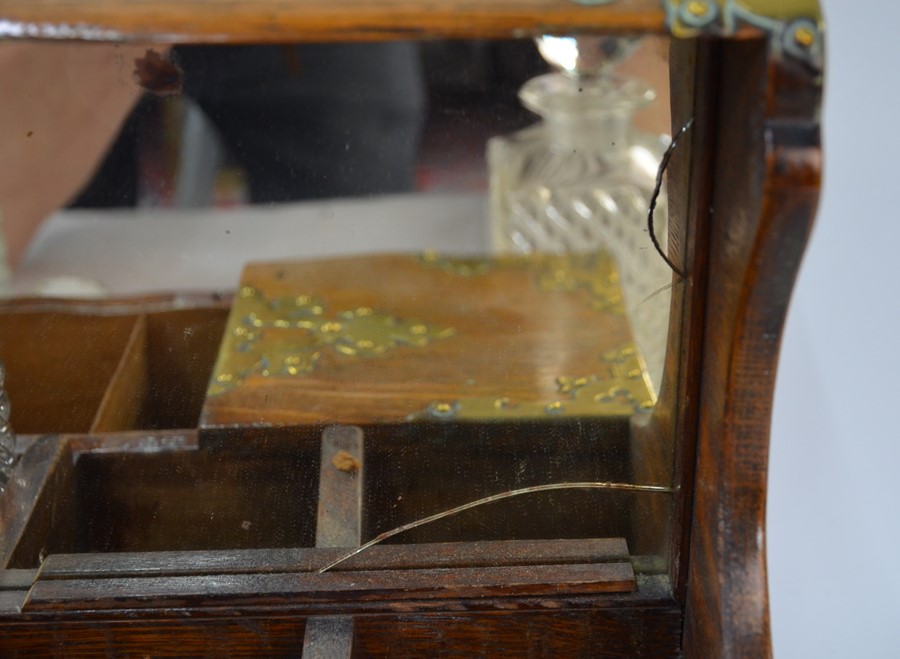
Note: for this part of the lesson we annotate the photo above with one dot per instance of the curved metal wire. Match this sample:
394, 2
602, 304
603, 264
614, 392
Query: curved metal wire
655, 197
590, 485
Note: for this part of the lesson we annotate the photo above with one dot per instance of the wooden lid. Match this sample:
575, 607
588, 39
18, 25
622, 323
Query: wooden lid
377, 339
272, 21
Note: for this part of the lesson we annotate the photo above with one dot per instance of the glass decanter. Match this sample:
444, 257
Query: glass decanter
581, 179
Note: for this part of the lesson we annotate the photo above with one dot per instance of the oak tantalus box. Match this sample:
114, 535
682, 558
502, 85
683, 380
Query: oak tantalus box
416, 454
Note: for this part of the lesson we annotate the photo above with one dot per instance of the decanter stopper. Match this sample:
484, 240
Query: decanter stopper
586, 55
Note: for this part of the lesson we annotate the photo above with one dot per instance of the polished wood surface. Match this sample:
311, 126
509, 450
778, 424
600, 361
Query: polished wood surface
307, 559
384, 587
508, 331
764, 200
267, 21
694, 84
32, 524
58, 367
650, 632
338, 524
663, 444
122, 402
567, 597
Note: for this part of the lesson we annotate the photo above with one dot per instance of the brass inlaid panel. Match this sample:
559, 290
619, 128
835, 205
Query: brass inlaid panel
619, 388
303, 329
388, 338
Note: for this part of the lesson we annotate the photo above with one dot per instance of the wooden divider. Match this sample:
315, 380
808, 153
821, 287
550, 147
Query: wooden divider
87, 366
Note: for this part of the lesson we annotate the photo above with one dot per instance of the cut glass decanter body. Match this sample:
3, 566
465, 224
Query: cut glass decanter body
581, 180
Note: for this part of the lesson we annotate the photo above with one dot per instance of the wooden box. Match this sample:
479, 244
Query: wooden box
332, 461
386, 339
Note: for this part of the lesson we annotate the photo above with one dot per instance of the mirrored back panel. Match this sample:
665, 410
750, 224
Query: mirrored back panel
447, 243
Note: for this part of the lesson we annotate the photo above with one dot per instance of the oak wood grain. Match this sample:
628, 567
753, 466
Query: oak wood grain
624, 632
764, 200
308, 559
338, 524
58, 367
761, 153
42, 470
267, 21
243, 590
512, 332
662, 445
181, 347
695, 81
190, 599
188, 500
122, 403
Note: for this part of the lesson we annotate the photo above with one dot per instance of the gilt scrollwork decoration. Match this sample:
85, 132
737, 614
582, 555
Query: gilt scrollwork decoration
794, 26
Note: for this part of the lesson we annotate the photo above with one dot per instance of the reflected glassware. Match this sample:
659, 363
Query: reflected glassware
7, 438
581, 179
570, 181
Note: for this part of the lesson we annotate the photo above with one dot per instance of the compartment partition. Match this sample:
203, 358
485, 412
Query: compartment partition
105, 366
59, 365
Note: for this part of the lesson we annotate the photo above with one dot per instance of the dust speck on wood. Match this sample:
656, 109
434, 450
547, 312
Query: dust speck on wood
343, 461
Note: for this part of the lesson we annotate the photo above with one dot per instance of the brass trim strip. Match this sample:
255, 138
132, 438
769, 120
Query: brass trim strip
794, 27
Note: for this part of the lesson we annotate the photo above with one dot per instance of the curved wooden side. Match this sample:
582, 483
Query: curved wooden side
273, 21
767, 182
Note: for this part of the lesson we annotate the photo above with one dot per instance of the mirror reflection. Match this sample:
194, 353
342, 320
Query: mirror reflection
435, 233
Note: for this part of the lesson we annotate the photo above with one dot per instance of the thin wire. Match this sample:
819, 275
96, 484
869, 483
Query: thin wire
659, 181
629, 487
658, 291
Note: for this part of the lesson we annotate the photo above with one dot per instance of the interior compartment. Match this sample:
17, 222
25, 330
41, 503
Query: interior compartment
164, 371
258, 488
129, 496
58, 366
416, 470
74, 372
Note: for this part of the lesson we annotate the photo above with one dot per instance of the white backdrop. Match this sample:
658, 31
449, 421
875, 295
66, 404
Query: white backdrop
834, 507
